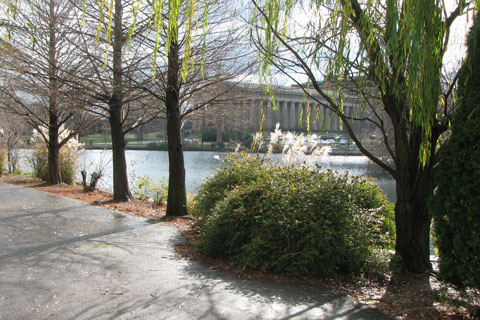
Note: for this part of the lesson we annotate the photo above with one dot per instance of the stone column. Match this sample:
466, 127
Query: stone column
273, 115
304, 116
267, 111
329, 120
254, 113
258, 112
248, 114
335, 122
242, 104
283, 115
290, 116
324, 119
310, 120
318, 117
332, 121
296, 111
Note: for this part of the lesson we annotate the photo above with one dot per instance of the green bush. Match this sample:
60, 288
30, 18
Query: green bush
192, 205
296, 220
209, 134
148, 189
235, 170
455, 205
162, 146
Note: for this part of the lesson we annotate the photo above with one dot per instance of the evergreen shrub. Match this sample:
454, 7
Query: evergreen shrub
455, 205
234, 170
295, 220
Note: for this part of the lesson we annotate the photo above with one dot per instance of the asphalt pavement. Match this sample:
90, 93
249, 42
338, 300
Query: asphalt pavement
64, 259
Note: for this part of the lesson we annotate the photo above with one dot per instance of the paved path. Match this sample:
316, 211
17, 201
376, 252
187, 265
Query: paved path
63, 259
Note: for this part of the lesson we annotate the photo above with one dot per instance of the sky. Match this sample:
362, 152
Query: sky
457, 48
452, 59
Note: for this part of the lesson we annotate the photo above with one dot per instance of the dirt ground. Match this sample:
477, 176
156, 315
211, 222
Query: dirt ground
406, 297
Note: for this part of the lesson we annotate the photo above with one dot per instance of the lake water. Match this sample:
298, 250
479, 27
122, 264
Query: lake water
200, 164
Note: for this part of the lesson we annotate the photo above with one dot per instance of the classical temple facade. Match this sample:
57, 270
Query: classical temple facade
250, 108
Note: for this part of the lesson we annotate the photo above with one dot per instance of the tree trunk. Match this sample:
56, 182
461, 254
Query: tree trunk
412, 221
14, 156
9, 157
54, 175
177, 194
219, 139
414, 186
139, 133
121, 191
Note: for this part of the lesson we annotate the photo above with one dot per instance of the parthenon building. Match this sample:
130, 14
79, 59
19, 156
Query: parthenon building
294, 111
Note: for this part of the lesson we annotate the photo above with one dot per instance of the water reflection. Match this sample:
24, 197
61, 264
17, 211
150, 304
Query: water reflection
199, 165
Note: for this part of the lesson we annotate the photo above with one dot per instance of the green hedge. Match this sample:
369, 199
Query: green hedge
455, 205
234, 170
295, 220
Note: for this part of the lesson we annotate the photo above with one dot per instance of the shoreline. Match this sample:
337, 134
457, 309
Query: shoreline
333, 152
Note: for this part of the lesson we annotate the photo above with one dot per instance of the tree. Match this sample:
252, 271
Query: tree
115, 103
166, 22
12, 129
455, 206
113, 60
391, 53
202, 52
40, 59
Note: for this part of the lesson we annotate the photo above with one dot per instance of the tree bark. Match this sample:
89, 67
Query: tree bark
9, 158
139, 133
121, 190
414, 186
54, 174
177, 194
412, 221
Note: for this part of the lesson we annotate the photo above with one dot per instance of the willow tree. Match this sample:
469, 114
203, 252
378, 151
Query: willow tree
391, 52
177, 192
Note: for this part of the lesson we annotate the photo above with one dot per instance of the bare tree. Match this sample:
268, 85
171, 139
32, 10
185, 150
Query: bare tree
110, 74
193, 77
40, 60
12, 130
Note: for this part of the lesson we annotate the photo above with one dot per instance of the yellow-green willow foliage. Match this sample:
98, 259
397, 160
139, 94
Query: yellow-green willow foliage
399, 44
172, 10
